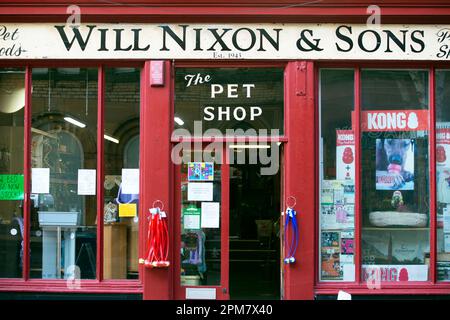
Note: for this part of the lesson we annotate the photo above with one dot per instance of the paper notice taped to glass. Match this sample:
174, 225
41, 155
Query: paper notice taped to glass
40, 180
200, 191
210, 214
130, 181
86, 182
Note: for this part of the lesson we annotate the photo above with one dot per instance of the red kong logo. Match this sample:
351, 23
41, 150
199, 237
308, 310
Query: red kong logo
395, 120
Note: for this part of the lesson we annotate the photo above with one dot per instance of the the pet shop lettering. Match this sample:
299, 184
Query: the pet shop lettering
230, 91
395, 120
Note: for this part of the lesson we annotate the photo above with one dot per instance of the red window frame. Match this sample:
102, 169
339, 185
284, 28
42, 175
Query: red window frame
358, 287
98, 285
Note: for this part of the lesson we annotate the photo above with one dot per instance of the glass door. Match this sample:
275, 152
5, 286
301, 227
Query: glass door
201, 225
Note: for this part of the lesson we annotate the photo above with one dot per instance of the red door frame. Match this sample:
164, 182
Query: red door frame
179, 292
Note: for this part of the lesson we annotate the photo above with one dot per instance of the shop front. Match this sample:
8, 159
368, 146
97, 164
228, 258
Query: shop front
224, 152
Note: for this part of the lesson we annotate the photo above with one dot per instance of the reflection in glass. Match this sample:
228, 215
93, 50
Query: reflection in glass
337, 176
12, 102
121, 152
443, 173
63, 147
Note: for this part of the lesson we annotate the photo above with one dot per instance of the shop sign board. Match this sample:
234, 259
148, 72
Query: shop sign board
224, 41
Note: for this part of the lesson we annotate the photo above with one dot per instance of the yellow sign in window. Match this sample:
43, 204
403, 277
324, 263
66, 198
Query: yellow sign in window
127, 210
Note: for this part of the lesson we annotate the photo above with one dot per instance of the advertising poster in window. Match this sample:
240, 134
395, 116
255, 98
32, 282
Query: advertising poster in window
200, 171
443, 162
345, 155
394, 164
337, 204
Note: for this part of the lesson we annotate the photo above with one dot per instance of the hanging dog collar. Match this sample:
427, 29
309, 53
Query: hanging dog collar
291, 224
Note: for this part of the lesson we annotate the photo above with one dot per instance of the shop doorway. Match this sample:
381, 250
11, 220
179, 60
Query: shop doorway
254, 235
227, 229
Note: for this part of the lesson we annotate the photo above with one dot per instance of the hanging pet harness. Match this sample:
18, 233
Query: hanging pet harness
291, 224
157, 240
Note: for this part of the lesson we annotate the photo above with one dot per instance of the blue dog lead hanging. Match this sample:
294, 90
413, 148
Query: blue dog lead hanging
291, 224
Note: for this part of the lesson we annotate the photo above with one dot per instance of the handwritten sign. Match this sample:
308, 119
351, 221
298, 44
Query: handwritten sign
11, 187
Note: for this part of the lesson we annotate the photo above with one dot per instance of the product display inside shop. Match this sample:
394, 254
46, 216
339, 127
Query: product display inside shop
394, 175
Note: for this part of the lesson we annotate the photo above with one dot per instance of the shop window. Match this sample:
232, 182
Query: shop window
121, 185
442, 84
12, 102
394, 176
63, 161
337, 176
248, 99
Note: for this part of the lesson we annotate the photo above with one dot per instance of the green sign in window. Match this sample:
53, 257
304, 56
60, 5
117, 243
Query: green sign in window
11, 187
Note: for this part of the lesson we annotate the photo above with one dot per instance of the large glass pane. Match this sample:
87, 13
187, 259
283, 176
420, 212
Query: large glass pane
229, 98
64, 161
395, 182
443, 173
337, 175
121, 185
200, 220
12, 102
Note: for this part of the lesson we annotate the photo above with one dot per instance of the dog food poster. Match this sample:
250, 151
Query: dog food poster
200, 171
443, 147
345, 155
394, 164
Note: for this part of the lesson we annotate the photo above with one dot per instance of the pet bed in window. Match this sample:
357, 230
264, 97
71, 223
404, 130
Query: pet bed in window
394, 218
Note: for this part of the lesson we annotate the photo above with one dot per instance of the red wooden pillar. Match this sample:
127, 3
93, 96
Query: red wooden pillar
300, 175
155, 173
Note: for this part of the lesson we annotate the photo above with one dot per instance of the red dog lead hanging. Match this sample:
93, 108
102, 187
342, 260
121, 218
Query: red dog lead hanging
157, 239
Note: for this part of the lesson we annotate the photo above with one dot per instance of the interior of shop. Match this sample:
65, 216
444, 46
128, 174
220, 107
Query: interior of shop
254, 238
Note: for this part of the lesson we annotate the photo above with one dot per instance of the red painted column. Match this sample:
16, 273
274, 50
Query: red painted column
300, 174
155, 171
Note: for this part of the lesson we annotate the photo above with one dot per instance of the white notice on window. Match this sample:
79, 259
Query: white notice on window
446, 212
40, 180
200, 191
210, 214
191, 221
447, 243
130, 181
86, 182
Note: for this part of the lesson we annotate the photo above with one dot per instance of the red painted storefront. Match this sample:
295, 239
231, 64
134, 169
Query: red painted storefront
158, 174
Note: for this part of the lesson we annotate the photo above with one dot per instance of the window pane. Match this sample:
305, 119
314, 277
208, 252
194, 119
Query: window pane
12, 102
200, 222
64, 160
395, 194
229, 98
121, 193
443, 173
337, 175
